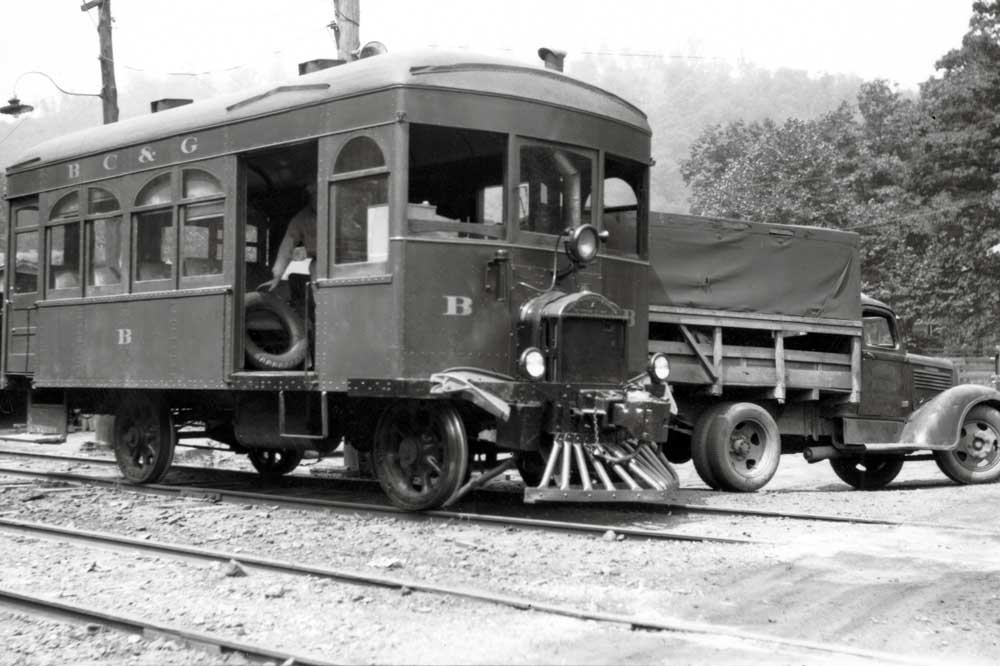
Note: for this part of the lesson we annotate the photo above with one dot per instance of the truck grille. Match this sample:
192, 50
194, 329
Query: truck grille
591, 350
932, 379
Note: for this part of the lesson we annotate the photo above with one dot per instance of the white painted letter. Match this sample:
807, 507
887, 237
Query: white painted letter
124, 336
189, 145
74, 170
458, 306
110, 162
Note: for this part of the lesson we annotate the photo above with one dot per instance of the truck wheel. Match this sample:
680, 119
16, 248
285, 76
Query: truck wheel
274, 463
743, 446
699, 446
869, 473
275, 336
976, 458
144, 438
420, 453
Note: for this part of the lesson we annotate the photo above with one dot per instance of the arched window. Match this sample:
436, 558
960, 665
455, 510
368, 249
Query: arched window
360, 203
156, 192
63, 242
202, 214
103, 229
623, 216
359, 154
154, 232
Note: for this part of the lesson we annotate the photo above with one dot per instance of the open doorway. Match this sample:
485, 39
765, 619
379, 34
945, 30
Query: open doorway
280, 256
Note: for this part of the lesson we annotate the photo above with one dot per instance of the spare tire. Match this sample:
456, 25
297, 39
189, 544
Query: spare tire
275, 337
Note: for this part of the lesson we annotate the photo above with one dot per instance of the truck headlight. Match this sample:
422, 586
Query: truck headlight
658, 368
532, 363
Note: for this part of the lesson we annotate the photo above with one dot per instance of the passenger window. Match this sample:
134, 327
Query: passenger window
26, 217
554, 183
64, 256
104, 239
456, 176
154, 231
360, 205
878, 332
202, 234
623, 215
63, 242
154, 245
26, 262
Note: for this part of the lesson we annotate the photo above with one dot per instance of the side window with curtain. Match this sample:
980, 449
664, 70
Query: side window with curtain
154, 231
359, 203
64, 244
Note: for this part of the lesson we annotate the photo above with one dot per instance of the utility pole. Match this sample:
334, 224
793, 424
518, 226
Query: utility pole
346, 26
109, 90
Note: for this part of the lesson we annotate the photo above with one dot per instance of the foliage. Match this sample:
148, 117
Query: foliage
919, 179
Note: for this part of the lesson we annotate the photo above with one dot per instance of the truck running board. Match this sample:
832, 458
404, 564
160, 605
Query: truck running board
576, 471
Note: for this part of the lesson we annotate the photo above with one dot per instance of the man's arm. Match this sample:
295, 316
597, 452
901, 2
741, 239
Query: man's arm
284, 256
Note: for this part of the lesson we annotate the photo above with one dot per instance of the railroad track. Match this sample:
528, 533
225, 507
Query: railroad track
181, 551
293, 502
674, 507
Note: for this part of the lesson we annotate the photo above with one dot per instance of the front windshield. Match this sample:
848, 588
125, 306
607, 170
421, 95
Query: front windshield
553, 185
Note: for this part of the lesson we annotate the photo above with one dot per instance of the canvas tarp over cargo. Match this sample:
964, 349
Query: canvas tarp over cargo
717, 264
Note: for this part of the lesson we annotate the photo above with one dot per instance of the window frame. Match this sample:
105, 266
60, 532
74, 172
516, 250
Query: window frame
642, 208
87, 235
539, 238
890, 322
183, 206
333, 181
159, 284
47, 289
19, 299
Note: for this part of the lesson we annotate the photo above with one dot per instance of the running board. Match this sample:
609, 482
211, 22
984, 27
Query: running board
901, 447
606, 472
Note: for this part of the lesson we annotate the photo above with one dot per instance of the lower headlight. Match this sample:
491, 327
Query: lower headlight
533, 363
659, 368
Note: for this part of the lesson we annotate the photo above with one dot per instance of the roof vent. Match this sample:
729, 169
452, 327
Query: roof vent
370, 49
552, 58
158, 105
310, 66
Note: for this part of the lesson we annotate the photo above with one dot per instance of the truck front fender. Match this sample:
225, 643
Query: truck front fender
937, 424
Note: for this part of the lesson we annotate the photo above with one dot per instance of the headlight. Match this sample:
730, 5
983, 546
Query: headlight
583, 244
659, 368
533, 363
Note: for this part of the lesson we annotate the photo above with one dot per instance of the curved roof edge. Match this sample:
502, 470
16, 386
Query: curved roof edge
427, 68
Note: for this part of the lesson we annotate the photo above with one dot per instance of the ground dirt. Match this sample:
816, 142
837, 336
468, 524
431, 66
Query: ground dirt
927, 590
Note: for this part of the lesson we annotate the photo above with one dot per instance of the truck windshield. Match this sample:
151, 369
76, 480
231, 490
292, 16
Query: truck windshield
554, 182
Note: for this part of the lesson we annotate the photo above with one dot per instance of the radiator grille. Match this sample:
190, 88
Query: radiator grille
591, 350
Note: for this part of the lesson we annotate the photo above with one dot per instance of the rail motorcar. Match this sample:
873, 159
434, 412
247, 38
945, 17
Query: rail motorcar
474, 279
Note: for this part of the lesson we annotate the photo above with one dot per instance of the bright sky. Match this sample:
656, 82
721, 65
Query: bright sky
894, 39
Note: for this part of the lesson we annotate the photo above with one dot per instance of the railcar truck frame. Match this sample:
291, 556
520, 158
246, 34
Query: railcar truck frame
475, 281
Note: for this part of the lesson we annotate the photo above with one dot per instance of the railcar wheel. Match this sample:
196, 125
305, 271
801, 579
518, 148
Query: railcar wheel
144, 439
976, 459
420, 453
699, 446
869, 473
275, 337
274, 463
743, 447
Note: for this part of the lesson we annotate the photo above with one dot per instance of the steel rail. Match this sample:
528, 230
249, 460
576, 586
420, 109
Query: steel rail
673, 506
44, 606
666, 624
245, 497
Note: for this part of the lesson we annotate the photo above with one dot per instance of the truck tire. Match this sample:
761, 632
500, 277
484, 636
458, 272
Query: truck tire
871, 473
289, 349
743, 446
699, 446
976, 457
